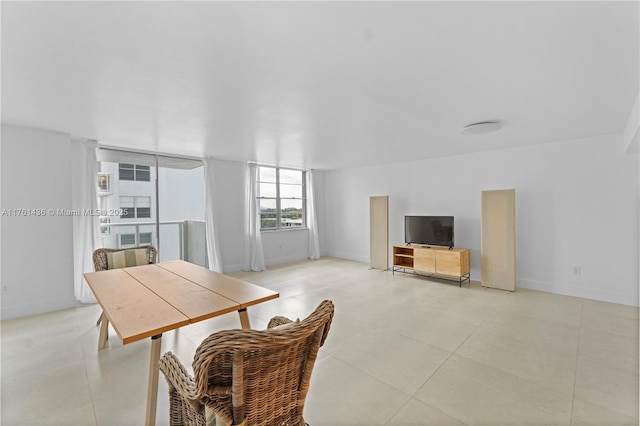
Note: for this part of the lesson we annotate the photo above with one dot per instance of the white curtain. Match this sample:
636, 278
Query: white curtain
312, 223
86, 228
254, 256
213, 249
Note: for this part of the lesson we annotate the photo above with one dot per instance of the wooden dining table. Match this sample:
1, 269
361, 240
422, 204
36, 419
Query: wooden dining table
145, 301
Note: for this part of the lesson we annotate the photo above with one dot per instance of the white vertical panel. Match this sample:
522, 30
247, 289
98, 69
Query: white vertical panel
379, 232
498, 247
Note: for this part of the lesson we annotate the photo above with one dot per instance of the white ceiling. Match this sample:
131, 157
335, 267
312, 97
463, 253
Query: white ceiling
320, 85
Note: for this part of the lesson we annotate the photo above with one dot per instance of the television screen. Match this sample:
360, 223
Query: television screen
429, 230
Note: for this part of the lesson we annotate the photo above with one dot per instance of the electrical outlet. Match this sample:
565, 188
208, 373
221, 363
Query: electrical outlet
5, 289
577, 270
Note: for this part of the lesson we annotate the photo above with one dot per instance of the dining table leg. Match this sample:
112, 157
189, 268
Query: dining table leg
154, 372
104, 332
244, 319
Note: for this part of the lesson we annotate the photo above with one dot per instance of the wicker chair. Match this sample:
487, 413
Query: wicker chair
100, 263
249, 377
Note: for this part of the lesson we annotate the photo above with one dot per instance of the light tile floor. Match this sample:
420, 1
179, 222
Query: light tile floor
402, 350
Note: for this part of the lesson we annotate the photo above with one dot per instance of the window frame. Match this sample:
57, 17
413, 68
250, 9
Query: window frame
106, 178
278, 198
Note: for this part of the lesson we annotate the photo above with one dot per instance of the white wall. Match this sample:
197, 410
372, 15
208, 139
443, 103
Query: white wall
37, 251
576, 205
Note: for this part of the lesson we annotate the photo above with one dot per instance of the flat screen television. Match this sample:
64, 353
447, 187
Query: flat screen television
429, 230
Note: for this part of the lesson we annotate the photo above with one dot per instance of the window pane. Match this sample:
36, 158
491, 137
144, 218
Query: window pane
180, 190
143, 173
292, 213
268, 214
126, 171
267, 190
103, 182
290, 191
145, 238
291, 223
268, 220
267, 205
127, 240
143, 212
266, 174
290, 176
143, 201
287, 204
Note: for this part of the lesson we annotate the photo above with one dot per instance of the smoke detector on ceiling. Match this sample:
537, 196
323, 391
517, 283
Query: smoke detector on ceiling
481, 128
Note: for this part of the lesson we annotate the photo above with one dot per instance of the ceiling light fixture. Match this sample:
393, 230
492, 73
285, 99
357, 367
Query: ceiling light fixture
481, 128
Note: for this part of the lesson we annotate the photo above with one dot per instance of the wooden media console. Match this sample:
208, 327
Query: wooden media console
433, 260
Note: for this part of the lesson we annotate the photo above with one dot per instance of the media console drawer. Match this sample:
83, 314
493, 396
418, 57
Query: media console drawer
454, 262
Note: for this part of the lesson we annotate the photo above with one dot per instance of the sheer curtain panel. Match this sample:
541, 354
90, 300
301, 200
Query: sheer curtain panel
86, 228
254, 256
213, 249
312, 222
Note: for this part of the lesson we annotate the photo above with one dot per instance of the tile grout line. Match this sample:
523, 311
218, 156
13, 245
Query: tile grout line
84, 366
575, 371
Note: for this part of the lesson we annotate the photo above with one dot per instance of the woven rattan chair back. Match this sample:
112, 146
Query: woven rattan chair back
261, 378
100, 256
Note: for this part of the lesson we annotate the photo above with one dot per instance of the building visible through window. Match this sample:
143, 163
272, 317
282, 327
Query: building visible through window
132, 213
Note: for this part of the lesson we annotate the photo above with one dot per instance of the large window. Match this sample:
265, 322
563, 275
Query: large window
152, 199
281, 198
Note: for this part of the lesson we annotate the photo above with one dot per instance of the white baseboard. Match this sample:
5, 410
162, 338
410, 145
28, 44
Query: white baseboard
348, 256
285, 259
